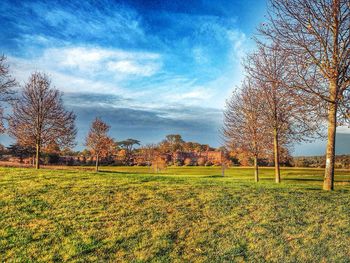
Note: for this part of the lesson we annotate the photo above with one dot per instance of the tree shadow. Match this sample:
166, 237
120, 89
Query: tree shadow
122, 172
303, 179
215, 176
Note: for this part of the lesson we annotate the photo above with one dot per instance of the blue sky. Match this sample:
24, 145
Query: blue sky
148, 68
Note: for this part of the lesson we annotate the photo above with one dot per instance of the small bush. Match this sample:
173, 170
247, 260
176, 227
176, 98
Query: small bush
188, 162
179, 163
208, 163
201, 161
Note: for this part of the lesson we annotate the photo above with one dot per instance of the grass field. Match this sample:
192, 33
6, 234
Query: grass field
182, 215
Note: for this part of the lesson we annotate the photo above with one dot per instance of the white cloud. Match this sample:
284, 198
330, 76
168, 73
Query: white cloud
343, 129
83, 60
194, 95
130, 67
22, 68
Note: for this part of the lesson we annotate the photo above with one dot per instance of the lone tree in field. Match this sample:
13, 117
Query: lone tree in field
244, 128
7, 83
316, 33
39, 117
98, 141
286, 114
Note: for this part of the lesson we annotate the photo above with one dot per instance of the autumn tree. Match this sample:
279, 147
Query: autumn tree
286, 113
128, 146
39, 117
148, 153
7, 83
316, 34
244, 127
98, 141
175, 141
159, 164
172, 144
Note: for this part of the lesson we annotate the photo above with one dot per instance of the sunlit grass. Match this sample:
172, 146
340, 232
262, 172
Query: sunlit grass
182, 214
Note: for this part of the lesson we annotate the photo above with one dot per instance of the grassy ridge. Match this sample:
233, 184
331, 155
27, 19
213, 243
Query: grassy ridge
184, 214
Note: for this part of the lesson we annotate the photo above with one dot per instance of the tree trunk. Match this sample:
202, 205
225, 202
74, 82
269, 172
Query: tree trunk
277, 156
328, 182
37, 156
97, 162
222, 164
256, 169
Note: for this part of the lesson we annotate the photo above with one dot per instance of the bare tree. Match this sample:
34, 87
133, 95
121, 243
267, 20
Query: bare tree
284, 111
39, 117
244, 127
7, 83
317, 35
148, 152
98, 141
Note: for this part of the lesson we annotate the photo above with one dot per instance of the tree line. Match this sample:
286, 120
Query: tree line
296, 81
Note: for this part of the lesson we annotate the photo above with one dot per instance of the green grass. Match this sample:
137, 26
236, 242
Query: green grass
189, 214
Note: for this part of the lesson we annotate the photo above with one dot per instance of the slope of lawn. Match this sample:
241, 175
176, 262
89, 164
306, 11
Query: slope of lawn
180, 215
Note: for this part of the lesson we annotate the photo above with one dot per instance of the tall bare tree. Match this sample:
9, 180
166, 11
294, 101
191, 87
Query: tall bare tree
98, 141
244, 127
7, 83
285, 112
39, 117
316, 33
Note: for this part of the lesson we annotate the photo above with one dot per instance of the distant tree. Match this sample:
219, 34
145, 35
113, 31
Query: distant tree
7, 83
188, 162
175, 141
201, 161
148, 153
3, 150
20, 151
98, 141
128, 146
52, 147
316, 35
191, 146
244, 126
39, 117
172, 144
159, 164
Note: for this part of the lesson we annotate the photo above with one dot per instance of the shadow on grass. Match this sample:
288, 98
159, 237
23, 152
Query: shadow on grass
313, 180
215, 176
303, 179
121, 172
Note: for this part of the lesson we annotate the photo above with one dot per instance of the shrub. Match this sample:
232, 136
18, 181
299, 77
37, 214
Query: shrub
179, 163
51, 158
201, 161
188, 162
208, 163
